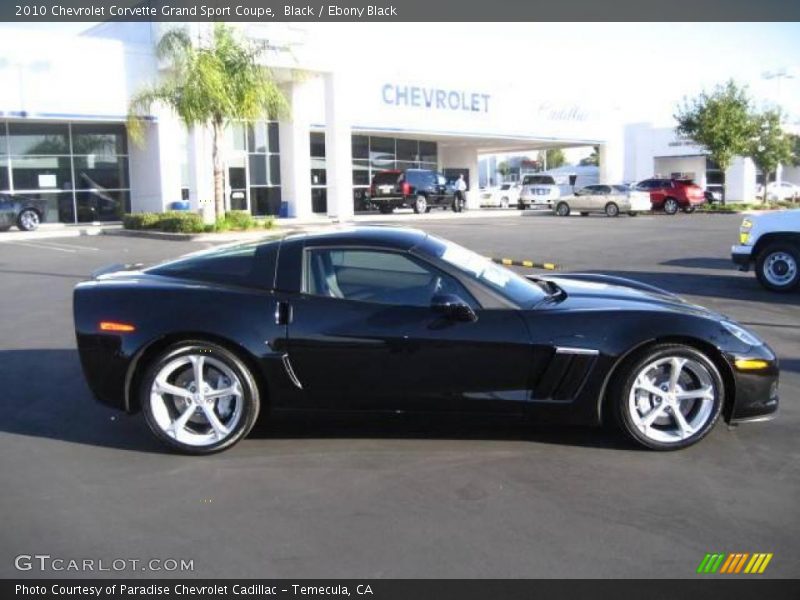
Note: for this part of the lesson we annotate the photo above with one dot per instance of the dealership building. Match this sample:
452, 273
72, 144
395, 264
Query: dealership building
63, 139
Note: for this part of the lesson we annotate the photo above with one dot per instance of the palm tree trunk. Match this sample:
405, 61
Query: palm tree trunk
219, 170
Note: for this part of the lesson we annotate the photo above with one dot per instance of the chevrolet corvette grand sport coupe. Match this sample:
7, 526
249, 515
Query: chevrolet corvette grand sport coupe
391, 319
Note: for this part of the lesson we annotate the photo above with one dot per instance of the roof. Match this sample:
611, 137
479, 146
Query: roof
403, 238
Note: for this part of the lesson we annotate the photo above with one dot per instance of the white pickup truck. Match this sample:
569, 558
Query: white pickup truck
771, 240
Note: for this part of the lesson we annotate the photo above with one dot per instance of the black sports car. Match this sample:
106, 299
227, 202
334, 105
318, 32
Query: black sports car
392, 319
23, 212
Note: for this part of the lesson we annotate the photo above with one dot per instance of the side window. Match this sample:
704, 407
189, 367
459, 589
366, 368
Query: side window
376, 276
647, 184
604, 189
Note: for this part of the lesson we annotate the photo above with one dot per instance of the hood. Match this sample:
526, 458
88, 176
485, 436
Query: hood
591, 291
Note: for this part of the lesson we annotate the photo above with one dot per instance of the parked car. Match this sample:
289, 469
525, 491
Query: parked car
771, 241
23, 212
608, 199
420, 189
393, 319
505, 195
776, 191
671, 195
538, 191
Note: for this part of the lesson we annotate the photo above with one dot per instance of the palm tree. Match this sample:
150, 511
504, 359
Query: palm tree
211, 83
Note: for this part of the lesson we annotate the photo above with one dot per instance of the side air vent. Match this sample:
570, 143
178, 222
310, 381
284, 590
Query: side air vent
565, 374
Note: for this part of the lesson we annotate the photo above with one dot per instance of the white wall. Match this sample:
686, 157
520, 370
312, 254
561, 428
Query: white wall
461, 157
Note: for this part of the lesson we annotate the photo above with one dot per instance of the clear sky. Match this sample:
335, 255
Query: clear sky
643, 69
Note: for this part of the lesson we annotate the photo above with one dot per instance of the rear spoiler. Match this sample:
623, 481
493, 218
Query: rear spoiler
116, 267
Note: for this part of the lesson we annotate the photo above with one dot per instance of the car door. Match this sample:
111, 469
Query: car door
584, 199
600, 197
363, 335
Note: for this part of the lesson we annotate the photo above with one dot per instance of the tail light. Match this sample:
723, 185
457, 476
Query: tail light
406, 188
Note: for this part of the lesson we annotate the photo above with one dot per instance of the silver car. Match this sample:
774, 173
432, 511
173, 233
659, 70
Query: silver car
608, 199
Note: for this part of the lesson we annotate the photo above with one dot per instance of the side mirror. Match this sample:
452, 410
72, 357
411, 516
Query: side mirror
453, 307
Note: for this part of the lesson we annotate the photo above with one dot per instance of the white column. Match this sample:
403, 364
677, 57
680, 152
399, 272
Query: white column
295, 145
463, 157
155, 165
201, 175
169, 149
740, 181
338, 149
612, 158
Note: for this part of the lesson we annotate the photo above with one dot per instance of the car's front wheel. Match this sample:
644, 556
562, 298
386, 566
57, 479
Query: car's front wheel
199, 398
28, 220
778, 267
668, 397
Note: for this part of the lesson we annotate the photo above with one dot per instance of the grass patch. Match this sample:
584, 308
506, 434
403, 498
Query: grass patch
742, 206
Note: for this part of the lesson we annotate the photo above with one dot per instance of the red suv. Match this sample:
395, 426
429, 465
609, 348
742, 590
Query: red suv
673, 194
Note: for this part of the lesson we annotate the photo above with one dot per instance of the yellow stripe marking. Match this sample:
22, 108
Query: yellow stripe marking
507, 261
730, 560
765, 563
751, 563
549, 266
527, 263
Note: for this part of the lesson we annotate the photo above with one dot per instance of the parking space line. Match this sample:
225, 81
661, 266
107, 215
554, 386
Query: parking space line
55, 246
41, 246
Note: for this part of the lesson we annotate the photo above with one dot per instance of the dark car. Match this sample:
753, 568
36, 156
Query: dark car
393, 319
420, 189
23, 212
671, 195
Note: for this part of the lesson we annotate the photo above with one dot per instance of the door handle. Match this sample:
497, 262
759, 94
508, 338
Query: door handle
283, 313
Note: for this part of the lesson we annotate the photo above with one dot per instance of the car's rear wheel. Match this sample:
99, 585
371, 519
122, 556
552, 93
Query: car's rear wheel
420, 205
668, 397
199, 398
778, 267
671, 206
612, 210
28, 220
562, 209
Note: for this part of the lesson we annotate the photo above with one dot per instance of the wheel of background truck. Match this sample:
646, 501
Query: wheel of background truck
420, 205
562, 209
612, 210
671, 206
778, 267
385, 209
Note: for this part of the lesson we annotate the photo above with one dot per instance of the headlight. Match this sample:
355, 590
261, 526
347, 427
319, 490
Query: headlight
742, 334
747, 225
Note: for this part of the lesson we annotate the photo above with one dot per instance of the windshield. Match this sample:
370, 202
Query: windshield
501, 280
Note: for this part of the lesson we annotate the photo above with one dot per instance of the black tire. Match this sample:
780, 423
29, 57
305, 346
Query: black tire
633, 213
458, 205
689, 209
562, 209
612, 210
420, 205
520, 205
625, 378
250, 395
28, 220
386, 209
671, 206
775, 265
584, 214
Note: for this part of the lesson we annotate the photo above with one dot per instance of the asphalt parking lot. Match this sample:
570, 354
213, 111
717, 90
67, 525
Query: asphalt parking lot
402, 496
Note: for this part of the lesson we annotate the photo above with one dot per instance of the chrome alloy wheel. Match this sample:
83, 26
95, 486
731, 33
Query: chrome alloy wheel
29, 220
672, 398
196, 400
780, 268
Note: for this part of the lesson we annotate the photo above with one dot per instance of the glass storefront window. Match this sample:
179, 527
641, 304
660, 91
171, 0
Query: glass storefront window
360, 146
275, 169
407, 150
258, 169
265, 200
54, 207
30, 139
428, 152
102, 205
319, 200
274, 137
318, 171
257, 137
41, 172
317, 144
381, 149
5, 182
99, 139
95, 171
3, 140
235, 138
361, 172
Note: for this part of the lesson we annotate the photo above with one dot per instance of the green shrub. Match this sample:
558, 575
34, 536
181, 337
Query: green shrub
181, 222
143, 220
240, 219
269, 222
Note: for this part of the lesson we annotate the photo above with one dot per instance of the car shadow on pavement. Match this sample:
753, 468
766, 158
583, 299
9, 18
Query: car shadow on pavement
706, 285
46, 396
701, 262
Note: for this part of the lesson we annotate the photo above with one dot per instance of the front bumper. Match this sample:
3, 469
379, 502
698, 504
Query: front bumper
756, 393
741, 256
